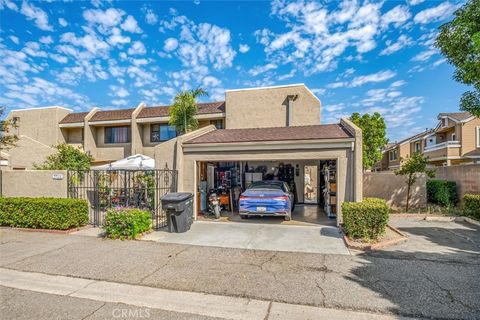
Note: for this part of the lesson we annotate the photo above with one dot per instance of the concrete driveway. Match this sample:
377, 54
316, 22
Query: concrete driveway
258, 236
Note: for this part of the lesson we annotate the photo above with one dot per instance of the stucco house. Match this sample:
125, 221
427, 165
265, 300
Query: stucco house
454, 141
254, 133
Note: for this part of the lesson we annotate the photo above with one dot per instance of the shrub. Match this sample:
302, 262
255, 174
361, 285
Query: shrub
126, 223
366, 220
442, 192
472, 205
43, 213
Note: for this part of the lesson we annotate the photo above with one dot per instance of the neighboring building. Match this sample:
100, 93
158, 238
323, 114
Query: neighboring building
455, 140
276, 129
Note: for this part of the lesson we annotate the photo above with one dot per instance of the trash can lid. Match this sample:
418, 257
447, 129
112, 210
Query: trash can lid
177, 196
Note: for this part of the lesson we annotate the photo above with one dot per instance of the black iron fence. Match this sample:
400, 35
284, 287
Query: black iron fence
107, 189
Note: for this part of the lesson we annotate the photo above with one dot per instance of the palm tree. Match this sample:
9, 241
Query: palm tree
184, 108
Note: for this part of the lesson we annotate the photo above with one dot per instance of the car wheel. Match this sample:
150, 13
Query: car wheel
288, 217
243, 216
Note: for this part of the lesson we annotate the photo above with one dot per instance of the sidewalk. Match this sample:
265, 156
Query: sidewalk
208, 305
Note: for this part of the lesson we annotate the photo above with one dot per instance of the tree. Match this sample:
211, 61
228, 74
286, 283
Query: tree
67, 157
374, 137
8, 138
184, 108
459, 42
414, 165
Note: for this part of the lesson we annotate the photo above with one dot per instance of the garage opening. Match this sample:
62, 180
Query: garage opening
311, 183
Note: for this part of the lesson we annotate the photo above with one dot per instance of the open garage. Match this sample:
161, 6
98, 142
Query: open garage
321, 164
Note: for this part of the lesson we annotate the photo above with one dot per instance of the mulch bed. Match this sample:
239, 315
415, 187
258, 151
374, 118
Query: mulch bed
391, 237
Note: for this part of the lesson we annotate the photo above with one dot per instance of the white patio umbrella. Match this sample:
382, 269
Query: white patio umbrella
135, 162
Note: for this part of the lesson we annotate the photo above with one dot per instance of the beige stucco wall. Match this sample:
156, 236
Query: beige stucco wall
393, 188
41, 124
36, 183
73, 135
27, 152
467, 178
260, 108
356, 162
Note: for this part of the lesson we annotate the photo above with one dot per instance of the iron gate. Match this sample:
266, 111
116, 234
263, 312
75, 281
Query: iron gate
106, 189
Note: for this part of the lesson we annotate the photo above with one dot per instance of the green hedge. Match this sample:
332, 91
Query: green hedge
472, 205
43, 213
366, 220
442, 192
126, 223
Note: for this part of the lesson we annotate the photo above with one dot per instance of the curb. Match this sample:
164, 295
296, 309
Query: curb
54, 231
453, 218
375, 246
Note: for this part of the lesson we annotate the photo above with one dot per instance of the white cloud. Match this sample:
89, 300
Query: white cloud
438, 13
131, 25
90, 42
14, 39
425, 55
415, 2
62, 22
118, 91
137, 48
104, 19
397, 16
38, 15
403, 41
151, 17
117, 38
170, 44
377, 77
210, 81
119, 102
255, 71
9, 4
46, 40
244, 48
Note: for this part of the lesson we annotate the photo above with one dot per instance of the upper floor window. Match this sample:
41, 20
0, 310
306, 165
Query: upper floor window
217, 123
444, 122
454, 136
393, 155
478, 137
117, 135
417, 147
162, 132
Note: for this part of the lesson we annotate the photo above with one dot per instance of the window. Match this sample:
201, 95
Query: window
454, 137
478, 137
162, 132
417, 146
444, 122
117, 134
217, 123
393, 155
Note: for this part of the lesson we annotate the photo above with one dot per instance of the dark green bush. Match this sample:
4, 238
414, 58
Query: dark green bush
126, 223
442, 192
43, 213
366, 220
472, 205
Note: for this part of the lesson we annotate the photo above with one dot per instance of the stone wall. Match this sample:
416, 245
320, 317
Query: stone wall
34, 183
393, 188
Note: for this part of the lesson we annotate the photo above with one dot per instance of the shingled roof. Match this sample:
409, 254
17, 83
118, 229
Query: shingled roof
459, 116
122, 114
74, 117
314, 132
162, 111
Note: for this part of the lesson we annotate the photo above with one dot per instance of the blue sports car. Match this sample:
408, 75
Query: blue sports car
267, 198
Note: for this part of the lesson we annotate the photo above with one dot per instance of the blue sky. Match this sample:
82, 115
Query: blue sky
356, 56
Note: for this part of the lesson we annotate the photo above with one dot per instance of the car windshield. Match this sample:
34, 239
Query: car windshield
275, 185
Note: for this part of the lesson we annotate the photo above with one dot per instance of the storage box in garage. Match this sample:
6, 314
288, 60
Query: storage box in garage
333, 187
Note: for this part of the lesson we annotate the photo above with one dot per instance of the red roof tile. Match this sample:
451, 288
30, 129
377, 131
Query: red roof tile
74, 117
122, 114
162, 111
326, 131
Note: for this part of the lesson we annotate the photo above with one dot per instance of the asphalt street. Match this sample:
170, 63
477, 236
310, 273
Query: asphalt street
433, 275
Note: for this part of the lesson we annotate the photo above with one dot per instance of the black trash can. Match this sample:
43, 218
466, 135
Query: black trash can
178, 207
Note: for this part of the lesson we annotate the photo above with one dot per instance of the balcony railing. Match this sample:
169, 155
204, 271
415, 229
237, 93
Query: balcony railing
447, 144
